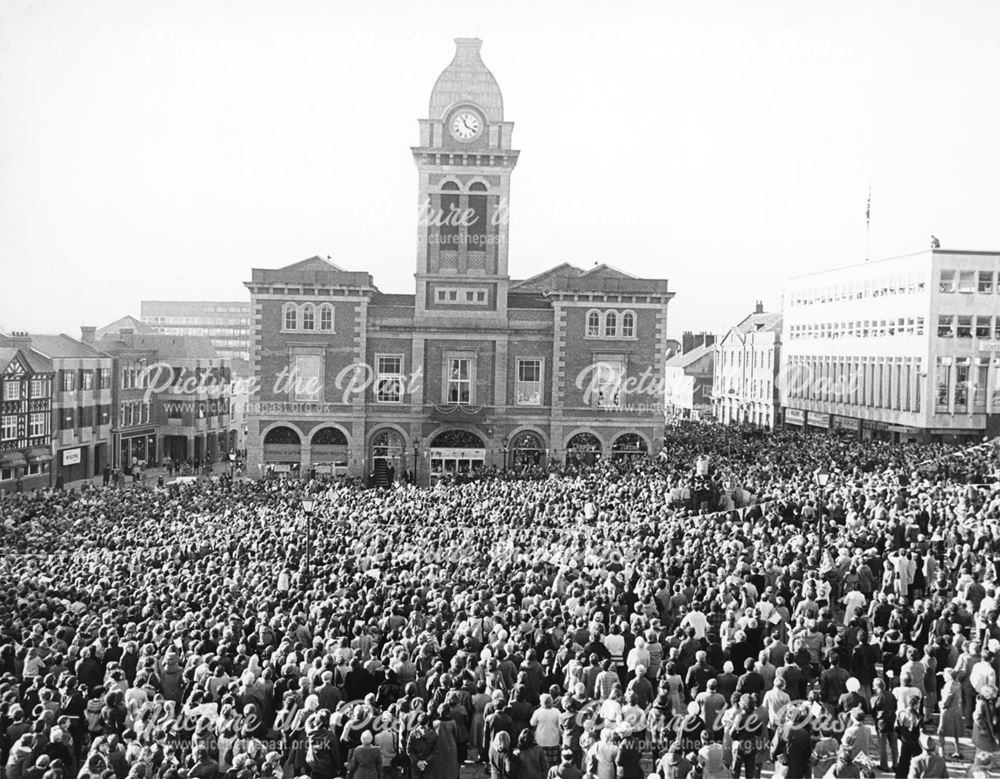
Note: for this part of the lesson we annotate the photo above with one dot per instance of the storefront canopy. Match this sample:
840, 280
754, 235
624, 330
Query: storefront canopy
12, 460
39, 454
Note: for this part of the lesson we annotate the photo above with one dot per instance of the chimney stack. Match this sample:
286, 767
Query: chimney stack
759, 309
88, 335
127, 334
19, 338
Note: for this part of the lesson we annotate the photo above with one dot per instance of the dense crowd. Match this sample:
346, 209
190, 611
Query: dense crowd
602, 622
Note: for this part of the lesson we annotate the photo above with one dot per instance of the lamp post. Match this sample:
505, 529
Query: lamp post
416, 452
504, 443
308, 504
822, 478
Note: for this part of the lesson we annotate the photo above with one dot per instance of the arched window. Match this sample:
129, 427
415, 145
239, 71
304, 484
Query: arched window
611, 324
628, 324
477, 186
594, 324
449, 186
291, 317
308, 317
326, 317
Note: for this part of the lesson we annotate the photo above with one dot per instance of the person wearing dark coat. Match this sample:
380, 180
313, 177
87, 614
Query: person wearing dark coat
421, 748
792, 744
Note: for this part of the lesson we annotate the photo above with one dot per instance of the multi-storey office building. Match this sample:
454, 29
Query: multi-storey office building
225, 323
906, 348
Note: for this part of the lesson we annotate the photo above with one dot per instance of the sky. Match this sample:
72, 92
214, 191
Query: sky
154, 149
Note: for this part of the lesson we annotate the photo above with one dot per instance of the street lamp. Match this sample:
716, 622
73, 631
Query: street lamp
416, 452
822, 478
308, 504
504, 443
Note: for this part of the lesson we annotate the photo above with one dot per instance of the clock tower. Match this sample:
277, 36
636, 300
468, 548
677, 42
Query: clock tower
464, 162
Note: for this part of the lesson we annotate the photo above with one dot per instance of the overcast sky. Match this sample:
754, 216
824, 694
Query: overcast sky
160, 150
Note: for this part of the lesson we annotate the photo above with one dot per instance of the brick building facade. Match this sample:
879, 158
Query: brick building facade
474, 369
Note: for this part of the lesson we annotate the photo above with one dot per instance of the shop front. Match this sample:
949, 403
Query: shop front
795, 417
135, 447
72, 464
583, 449
456, 454
627, 446
282, 452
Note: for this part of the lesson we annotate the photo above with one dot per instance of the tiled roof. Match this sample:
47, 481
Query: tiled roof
182, 347
63, 346
36, 362
123, 323
690, 357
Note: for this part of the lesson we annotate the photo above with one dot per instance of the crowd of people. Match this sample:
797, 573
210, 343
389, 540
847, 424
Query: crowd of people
600, 622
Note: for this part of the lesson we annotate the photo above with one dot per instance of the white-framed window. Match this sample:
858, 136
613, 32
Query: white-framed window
389, 378
39, 388
458, 386
628, 324
308, 384
326, 318
528, 382
967, 281
947, 283
308, 317
607, 390
12, 389
593, 324
87, 379
610, 324
145, 413
986, 282
8, 428
290, 317
38, 424
129, 414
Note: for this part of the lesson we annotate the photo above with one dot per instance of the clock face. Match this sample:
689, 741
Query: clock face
465, 126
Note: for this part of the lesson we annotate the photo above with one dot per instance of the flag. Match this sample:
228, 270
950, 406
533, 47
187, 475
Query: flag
868, 208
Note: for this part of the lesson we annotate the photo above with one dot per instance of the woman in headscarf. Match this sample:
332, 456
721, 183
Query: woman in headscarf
674, 685
366, 760
984, 737
601, 756
950, 724
446, 763
711, 758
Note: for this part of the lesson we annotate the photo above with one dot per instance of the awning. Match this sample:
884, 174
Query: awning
12, 460
39, 454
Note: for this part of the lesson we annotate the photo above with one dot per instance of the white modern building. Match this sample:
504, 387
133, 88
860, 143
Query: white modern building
906, 348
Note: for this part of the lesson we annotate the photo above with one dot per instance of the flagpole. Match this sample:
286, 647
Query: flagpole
868, 225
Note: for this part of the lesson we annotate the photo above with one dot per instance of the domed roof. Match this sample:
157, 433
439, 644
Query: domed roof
467, 79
